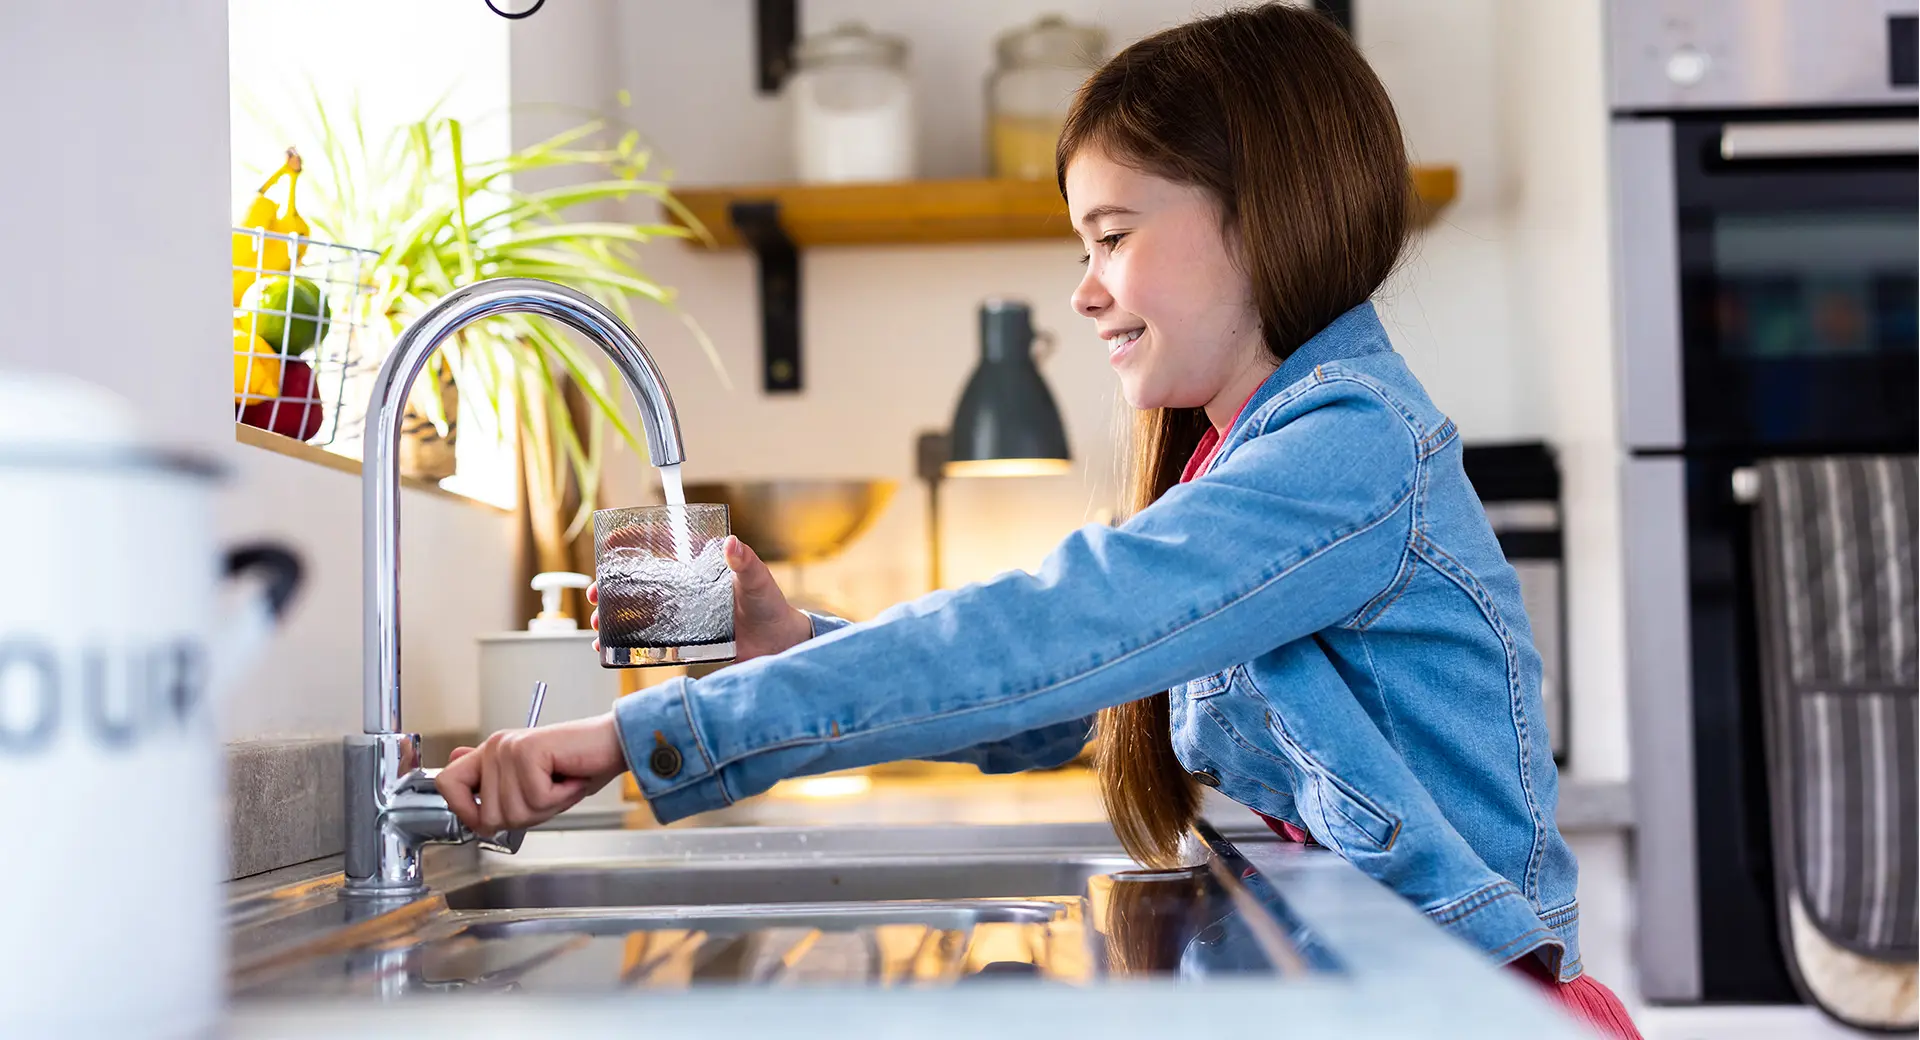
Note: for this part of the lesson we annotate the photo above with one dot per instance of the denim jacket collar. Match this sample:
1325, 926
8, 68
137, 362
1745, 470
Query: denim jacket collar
1356, 333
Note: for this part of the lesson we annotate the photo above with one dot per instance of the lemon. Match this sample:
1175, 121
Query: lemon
241, 279
256, 368
289, 313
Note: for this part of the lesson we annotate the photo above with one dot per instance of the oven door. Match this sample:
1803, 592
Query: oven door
1797, 261
1766, 279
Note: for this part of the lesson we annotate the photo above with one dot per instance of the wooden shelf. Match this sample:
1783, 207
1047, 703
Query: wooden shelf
1434, 188
267, 440
932, 212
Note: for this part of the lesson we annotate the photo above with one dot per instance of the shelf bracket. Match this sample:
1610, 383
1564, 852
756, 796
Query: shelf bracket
776, 24
779, 263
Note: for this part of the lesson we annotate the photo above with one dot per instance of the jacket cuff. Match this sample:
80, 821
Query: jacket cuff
668, 759
824, 623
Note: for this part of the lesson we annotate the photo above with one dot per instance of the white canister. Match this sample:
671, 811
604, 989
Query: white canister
852, 107
113, 648
555, 650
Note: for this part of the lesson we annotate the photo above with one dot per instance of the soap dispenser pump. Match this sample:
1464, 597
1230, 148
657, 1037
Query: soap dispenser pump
551, 585
555, 649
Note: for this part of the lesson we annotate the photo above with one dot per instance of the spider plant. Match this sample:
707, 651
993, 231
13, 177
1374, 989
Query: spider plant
442, 219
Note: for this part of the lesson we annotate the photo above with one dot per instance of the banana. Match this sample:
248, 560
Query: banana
260, 214
273, 255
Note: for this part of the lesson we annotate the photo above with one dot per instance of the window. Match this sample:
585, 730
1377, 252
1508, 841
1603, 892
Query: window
393, 64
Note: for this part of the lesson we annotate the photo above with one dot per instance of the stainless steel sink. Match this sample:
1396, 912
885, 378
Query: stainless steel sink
600, 911
787, 881
953, 916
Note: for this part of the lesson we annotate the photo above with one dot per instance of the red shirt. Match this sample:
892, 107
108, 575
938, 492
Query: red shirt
1199, 464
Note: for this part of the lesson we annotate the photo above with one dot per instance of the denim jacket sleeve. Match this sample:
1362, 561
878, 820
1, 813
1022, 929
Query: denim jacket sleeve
1296, 529
1035, 749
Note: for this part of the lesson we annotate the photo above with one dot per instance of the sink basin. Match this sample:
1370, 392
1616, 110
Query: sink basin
786, 881
949, 915
603, 911
600, 951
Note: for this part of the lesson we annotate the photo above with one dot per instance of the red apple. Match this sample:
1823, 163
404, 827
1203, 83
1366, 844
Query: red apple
296, 412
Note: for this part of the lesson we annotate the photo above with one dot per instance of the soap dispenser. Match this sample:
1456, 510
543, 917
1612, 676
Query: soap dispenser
557, 650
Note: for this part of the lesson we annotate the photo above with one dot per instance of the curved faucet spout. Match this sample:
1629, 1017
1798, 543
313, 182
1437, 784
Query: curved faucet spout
380, 476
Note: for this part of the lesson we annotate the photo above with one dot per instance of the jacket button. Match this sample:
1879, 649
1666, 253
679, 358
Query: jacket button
664, 761
1205, 778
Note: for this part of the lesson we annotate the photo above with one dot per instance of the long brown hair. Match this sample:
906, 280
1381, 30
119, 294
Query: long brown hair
1275, 114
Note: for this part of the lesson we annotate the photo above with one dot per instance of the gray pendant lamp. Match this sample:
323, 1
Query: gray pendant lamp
1006, 423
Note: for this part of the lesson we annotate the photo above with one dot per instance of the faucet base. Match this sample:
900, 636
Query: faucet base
382, 853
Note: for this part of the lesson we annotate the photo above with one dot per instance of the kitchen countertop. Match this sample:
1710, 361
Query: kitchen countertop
1397, 976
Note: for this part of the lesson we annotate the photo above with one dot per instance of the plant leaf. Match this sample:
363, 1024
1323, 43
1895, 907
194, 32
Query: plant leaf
463, 232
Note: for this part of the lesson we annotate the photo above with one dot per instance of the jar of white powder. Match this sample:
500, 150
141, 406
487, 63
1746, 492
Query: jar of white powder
852, 107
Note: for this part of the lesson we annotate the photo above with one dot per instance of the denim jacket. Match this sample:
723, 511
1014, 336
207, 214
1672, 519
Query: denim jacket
1343, 640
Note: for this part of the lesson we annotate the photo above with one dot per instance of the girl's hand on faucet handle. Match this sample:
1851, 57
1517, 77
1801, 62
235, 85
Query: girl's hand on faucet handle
517, 778
763, 621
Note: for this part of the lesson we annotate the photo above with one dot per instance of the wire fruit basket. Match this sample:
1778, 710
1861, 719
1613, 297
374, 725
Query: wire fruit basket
301, 334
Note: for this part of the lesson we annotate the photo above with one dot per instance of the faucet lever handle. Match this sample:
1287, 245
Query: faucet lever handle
509, 841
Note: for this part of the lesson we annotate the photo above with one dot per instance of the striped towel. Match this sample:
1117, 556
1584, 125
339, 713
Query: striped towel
1835, 559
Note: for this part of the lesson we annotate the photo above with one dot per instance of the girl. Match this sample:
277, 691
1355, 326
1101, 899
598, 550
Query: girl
1307, 610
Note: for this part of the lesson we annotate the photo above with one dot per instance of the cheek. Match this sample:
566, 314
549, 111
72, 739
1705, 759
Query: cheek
1175, 293
1140, 287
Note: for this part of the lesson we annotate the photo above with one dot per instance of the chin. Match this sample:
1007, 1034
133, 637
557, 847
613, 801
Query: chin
1142, 396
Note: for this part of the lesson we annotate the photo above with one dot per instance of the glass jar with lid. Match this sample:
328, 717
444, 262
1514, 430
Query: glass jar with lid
852, 107
1039, 68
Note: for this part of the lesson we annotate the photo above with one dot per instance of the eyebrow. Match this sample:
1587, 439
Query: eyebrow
1092, 216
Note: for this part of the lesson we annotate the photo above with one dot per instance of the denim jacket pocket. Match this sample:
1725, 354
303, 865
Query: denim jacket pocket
1209, 686
1355, 821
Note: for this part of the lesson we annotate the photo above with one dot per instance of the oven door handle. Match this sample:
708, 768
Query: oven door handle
1820, 140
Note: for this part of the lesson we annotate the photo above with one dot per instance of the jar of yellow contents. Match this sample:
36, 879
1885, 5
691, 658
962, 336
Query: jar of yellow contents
1038, 68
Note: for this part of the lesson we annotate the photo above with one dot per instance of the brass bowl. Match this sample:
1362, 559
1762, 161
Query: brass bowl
798, 521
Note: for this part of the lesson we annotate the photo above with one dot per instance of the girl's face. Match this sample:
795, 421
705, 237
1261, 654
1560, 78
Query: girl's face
1165, 288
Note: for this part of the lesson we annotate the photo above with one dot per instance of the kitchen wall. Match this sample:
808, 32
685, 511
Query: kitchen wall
116, 203
113, 181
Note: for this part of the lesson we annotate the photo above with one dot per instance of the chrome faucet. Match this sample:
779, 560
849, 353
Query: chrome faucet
392, 805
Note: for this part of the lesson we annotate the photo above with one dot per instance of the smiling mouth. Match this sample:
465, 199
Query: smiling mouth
1116, 343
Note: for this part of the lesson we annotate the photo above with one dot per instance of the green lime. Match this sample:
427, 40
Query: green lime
291, 314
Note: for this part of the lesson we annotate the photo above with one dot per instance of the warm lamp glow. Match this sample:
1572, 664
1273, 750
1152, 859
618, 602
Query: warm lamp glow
1006, 467
829, 786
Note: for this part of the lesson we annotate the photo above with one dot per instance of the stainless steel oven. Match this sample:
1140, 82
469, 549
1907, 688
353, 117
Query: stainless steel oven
1764, 177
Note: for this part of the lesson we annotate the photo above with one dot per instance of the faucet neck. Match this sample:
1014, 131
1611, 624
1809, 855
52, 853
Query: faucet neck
380, 476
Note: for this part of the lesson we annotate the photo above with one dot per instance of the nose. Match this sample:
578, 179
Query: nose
1090, 297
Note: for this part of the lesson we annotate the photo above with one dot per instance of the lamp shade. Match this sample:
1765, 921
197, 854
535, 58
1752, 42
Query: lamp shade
1006, 423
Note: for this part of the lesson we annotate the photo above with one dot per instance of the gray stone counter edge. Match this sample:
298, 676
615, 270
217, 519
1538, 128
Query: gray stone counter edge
283, 799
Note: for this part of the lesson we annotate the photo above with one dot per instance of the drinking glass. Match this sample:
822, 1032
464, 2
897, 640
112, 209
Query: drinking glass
666, 595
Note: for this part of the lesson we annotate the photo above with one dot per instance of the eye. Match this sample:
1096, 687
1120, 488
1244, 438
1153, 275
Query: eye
1109, 240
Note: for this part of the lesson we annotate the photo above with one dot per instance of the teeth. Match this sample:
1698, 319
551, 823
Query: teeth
1123, 339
